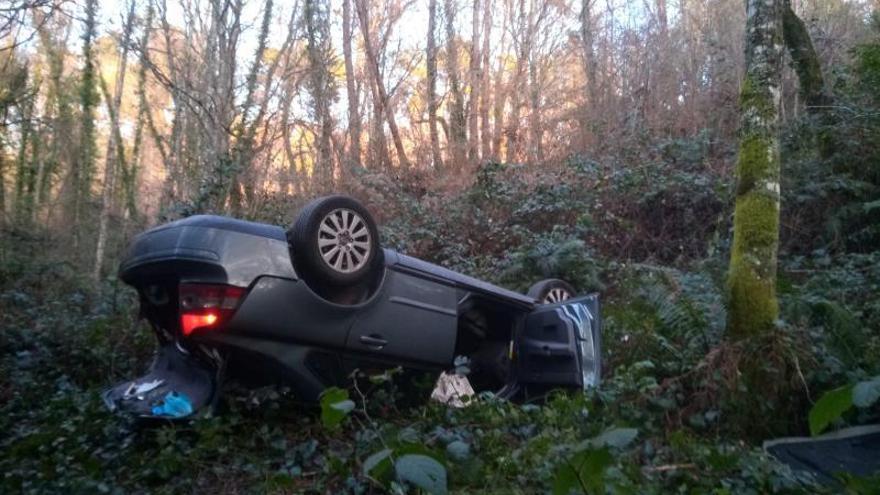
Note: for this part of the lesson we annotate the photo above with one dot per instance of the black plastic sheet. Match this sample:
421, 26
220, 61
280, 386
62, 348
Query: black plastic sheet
855, 451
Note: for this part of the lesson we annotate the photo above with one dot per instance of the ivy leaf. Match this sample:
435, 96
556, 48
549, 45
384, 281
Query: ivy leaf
458, 450
584, 472
831, 406
866, 393
345, 406
615, 437
422, 471
408, 435
378, 466
335, 406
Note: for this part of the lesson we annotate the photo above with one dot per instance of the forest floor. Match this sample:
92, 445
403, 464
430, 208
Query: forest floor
61, 347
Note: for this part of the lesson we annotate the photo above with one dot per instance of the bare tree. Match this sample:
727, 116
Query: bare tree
114, 156
354, 117
523, 34
320, 84
486, 132
431, 54
474, 83
82, 172
662, 18
590, 65
457, 129
244, 131
500, 89
380, 94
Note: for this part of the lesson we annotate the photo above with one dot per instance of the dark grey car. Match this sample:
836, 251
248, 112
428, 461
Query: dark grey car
306, 306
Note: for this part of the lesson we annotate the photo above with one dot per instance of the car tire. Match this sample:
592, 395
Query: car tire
335, 242
551, 290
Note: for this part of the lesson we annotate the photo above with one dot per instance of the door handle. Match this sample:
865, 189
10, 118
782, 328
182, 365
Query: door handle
373, 340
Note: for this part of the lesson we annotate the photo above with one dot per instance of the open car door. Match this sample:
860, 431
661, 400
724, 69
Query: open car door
559, 346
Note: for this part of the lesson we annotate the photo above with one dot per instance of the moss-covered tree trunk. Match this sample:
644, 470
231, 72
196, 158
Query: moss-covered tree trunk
752, 277
811, 83
83, 168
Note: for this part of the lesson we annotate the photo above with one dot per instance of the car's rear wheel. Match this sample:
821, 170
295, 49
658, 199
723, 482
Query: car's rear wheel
551, 290
335, 242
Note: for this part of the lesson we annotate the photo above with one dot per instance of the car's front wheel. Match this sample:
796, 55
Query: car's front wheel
335, 242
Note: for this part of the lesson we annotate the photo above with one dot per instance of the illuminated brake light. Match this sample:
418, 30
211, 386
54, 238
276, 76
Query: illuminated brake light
204, 306
190, 322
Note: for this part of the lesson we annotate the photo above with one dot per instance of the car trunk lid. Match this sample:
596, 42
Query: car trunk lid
177, 385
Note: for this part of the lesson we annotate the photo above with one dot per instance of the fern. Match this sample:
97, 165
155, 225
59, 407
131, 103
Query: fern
689, 306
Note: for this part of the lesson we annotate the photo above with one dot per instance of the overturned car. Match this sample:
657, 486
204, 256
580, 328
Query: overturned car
229, 298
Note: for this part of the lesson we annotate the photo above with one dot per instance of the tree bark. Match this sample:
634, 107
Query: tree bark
83, 167
486, 131
354, 117
662, 19
2, 182
500, 92
244, 133
753, 307
536, 132
457, 122
144, 117
22, 204
811, 83
114, 153
519, 85
378, 85
431, 54
474, 82
320, 82
591, 69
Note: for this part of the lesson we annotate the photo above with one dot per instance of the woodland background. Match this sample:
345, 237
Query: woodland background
513, 140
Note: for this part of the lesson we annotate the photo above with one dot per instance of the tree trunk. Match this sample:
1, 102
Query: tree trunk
536, 131
171, 157
2, 183
806, 62
457, 123
83, 168
354, 117
486, 131
381, 158
245, 131
590, 70
379, 86
431, 54
113, 155
662, 19
811, 83
500, 92
22, 202
286, 180
753, 307
519, 85
114, 159
320, 84
475, 81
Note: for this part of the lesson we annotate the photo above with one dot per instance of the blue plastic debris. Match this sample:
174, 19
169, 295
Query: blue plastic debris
174, 405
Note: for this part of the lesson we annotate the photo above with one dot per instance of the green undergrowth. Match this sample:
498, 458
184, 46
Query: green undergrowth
668, 379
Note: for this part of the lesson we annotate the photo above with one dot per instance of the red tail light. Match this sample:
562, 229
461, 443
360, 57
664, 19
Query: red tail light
207, 305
